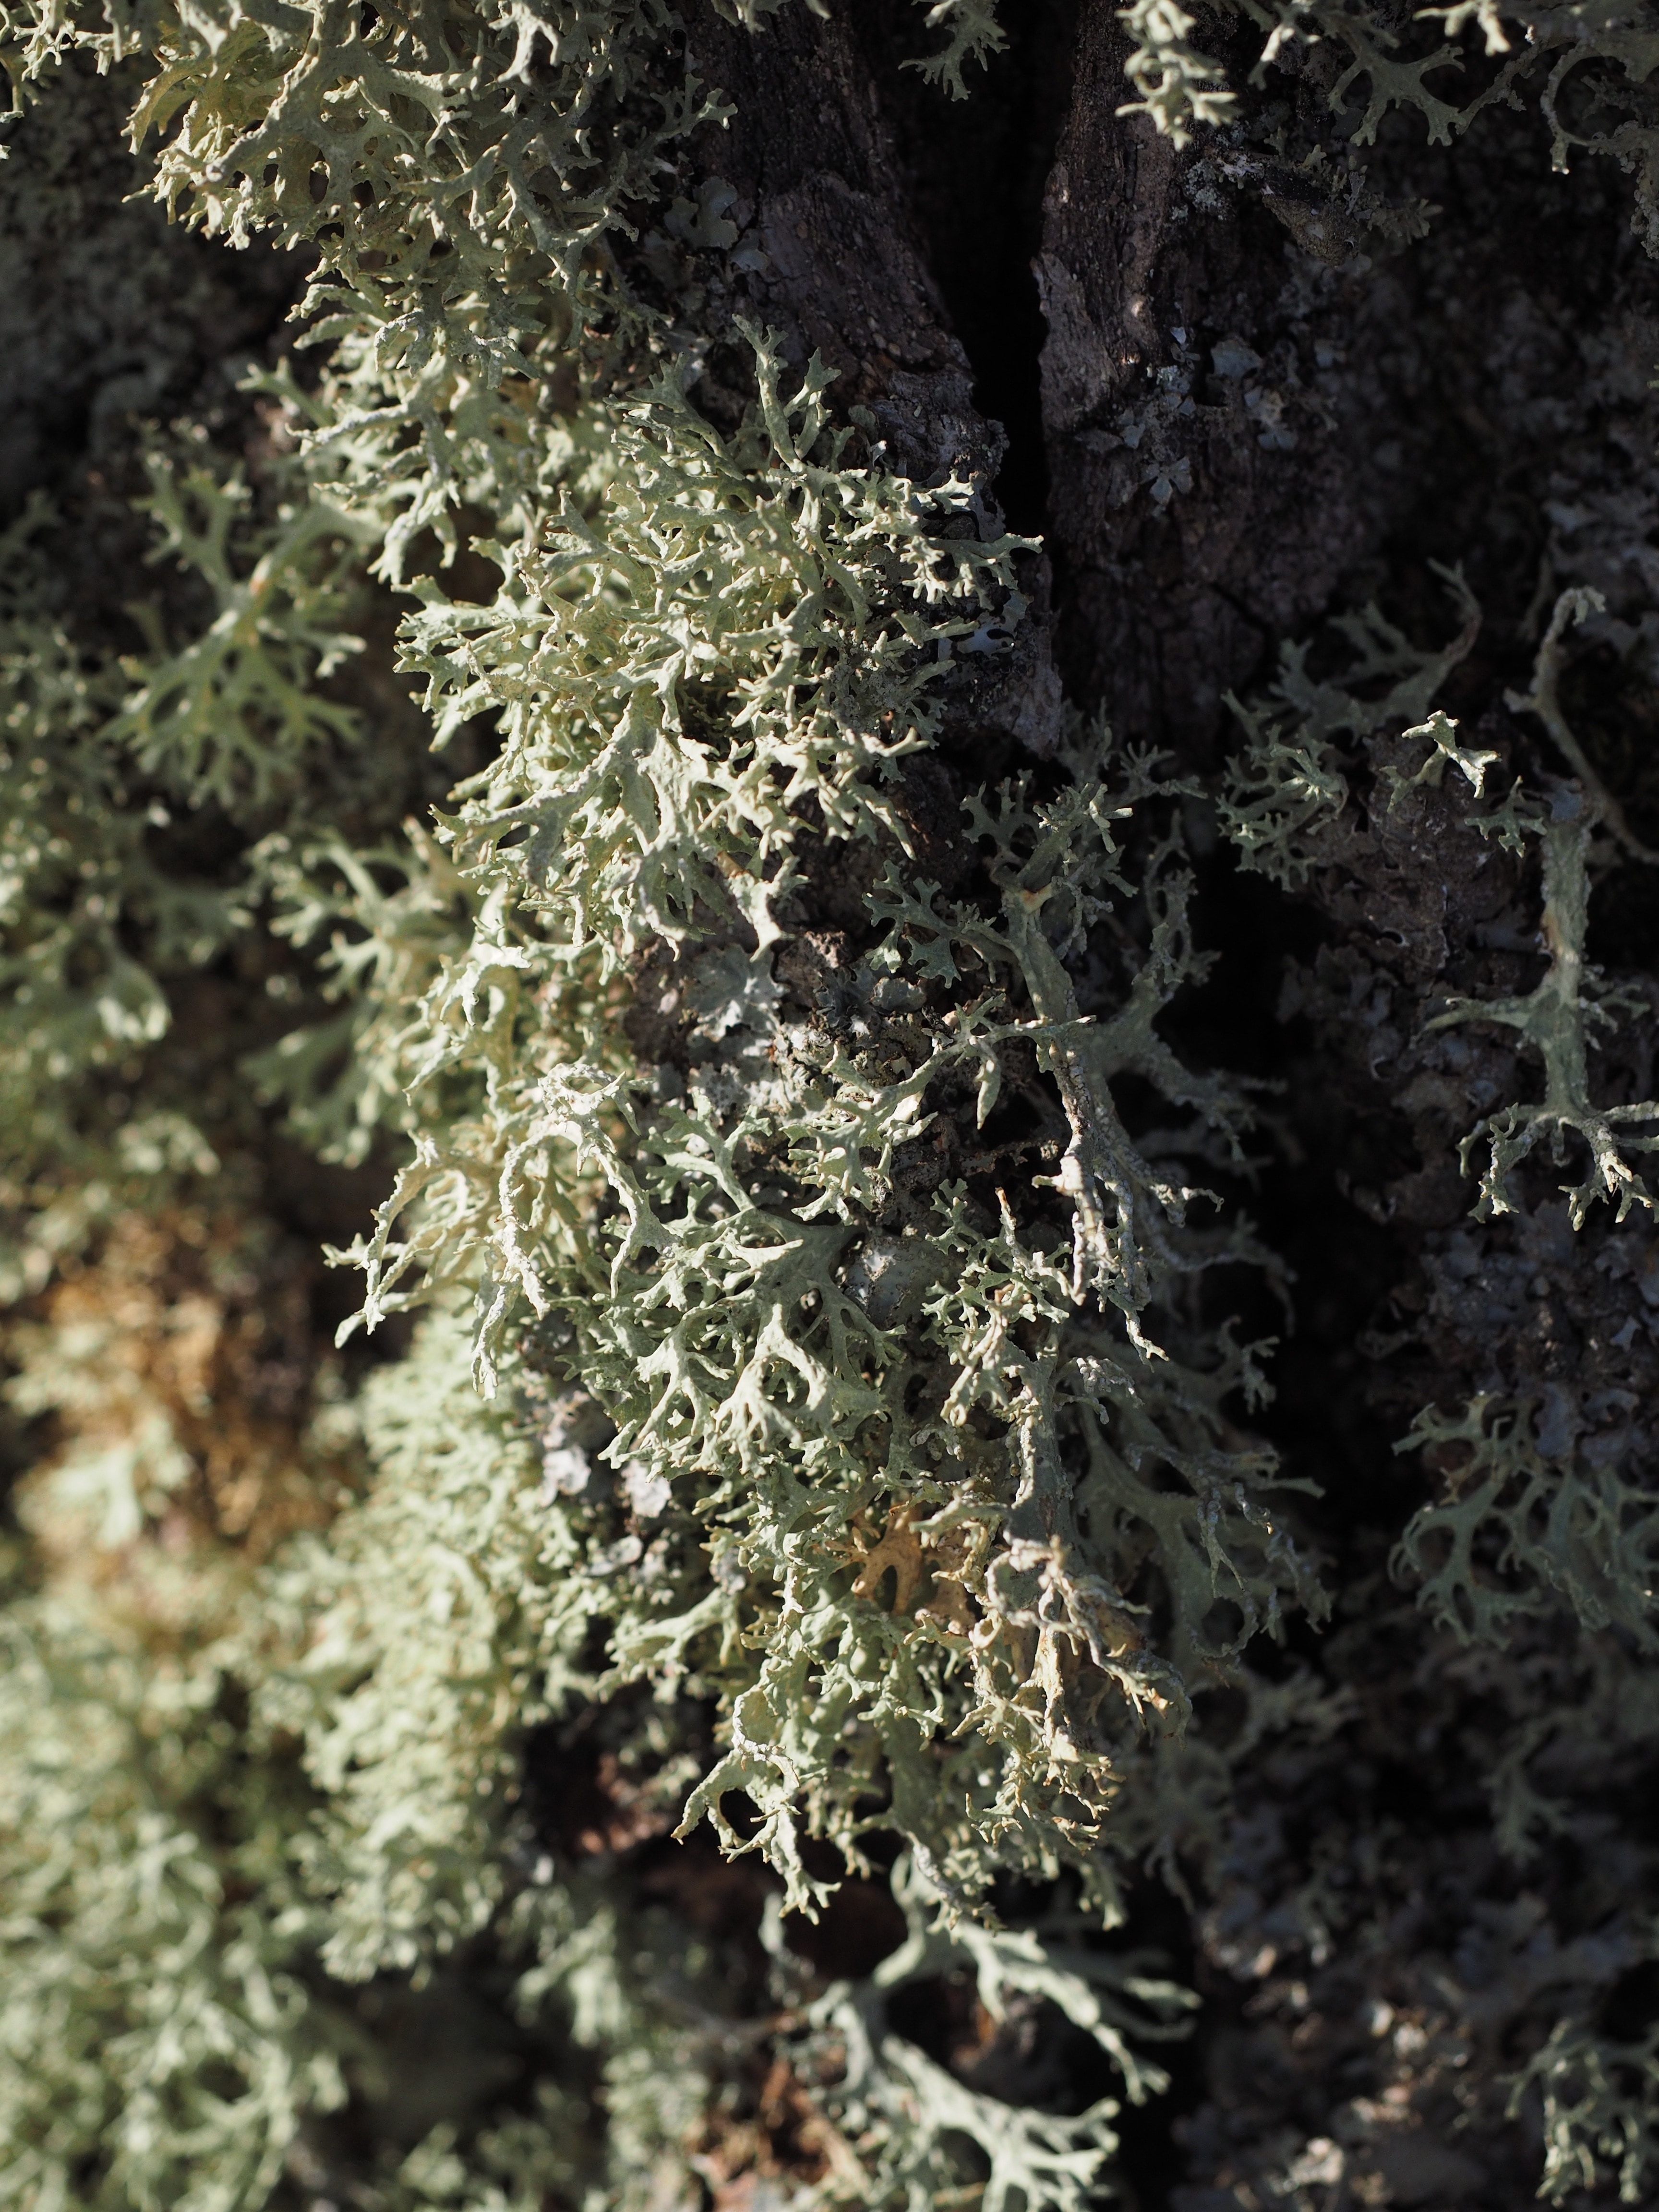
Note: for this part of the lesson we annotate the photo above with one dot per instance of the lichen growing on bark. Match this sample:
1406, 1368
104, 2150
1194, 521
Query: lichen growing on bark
747, 1635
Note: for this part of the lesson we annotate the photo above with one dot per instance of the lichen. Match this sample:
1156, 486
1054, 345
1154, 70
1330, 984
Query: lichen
818, 1412
1557, 1019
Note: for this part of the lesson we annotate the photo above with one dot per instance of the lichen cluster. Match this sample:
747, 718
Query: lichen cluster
788, 1374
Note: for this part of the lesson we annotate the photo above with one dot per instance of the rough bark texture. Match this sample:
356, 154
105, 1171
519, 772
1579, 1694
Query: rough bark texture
842, 269
1197, 521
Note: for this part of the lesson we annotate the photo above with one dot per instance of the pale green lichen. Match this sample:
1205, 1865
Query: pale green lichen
1598, 2102
1558, 1019
974, 35
155, 1968
916, 2118
1441, 732
1182, 89
1283, 793
938, 1506
240, 706
78, 880
1544, 699
748, 587
452, 165
731, 1337
815, 607
1178, 86
1522, 1528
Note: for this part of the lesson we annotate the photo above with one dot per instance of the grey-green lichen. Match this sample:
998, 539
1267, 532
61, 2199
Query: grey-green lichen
1584, 65
1558, 1019
1526, 1522
1287, 780
858, 1505
850, 1422
1601, 2104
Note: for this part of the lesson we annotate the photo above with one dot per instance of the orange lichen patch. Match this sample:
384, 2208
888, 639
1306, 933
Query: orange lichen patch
176, 1368
914, 1557
952, 1555
899, 1547
775, 2133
